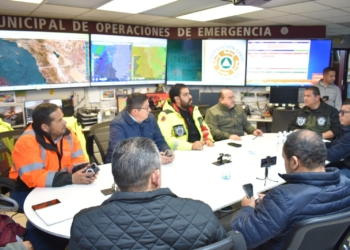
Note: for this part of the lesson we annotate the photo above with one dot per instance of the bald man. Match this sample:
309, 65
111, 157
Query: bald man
227, 120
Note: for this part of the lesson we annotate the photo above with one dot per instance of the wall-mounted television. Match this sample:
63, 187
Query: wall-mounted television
29, 107
42, 60
126, 60
286, 62
206, 62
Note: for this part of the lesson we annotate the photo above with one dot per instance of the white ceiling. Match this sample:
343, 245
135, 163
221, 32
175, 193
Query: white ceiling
335, 14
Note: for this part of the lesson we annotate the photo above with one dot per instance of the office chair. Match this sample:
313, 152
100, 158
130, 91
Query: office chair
99, 133
7, 142
233, 241
203, 109
321, 233
281, 118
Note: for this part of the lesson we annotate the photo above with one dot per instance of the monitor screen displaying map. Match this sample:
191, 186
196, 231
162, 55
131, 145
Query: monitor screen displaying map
42, 60
124, 60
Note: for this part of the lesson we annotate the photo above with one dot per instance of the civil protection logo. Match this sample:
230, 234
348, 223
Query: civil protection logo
226, 62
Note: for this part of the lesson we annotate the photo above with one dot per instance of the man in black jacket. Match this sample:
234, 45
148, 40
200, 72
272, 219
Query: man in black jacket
143, 215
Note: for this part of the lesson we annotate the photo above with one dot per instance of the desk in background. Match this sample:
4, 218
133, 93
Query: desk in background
257, 122
191, 175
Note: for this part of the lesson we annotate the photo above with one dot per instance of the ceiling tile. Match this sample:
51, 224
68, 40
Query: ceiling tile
325, 13
302, 7
258, 23
79, 3
17, 6
51, 15
288, 19
341, 19
14, 13
103, 14
346, 9
272, 4
310, 22
57, 9
144, 18
346, 24
95, 19
182, 7
175, 22
335, 3
264, 14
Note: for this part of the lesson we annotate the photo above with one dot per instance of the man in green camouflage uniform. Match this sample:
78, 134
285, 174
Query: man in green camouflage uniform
317, 116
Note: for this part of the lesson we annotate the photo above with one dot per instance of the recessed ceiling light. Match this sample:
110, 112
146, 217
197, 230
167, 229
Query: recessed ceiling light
133, 6
219, 12
28, 1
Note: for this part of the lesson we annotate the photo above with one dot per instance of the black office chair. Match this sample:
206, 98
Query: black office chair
99, 134
6, 184
234, 241
321, 233
281, 118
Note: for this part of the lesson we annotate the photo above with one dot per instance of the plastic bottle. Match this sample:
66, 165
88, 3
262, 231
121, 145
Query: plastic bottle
99, 116
284, 136
279, 142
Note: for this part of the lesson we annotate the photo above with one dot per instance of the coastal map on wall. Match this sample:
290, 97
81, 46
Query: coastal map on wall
37, 59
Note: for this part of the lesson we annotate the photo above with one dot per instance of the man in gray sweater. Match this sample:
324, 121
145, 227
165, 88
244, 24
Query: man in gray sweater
227, 120
330, 93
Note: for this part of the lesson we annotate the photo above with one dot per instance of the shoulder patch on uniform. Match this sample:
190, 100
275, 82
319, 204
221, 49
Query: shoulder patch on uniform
163, 118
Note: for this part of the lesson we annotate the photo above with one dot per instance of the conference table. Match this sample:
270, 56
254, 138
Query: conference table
192, 174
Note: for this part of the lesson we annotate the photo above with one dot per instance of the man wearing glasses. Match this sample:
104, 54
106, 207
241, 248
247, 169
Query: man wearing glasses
317, 116
338, 151
136, 120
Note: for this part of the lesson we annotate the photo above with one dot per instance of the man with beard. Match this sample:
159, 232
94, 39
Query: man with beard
181, 124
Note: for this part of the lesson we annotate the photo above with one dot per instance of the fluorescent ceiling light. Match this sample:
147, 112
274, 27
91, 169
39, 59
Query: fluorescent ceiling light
133, 6
28, 1
219, 12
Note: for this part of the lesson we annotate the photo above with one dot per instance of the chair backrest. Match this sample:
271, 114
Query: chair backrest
233, 241
203, 109
281, 118
321, 233
7, 142
100, 134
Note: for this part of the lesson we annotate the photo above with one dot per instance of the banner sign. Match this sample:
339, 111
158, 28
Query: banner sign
91, 27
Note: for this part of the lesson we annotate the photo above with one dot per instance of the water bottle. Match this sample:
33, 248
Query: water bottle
99, 116
284, 137
279, 142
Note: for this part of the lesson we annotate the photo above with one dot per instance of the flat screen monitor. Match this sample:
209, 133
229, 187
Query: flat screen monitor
284, 95
43, 60
29, 107
206, 62
286, 62
126, 60
13, 115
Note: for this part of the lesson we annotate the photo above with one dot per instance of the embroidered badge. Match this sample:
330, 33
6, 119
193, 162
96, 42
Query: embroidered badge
163, 118
200, 120
179, 130
301, 121
321, 121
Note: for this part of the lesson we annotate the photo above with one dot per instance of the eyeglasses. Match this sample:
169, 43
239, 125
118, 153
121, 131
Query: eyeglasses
342, 112
144, 108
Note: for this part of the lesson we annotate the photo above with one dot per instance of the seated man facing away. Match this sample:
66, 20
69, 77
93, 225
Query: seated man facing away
227, 120
44, 156
310, 191
136, 120
143, 215
317, 116
182, 125
338, 151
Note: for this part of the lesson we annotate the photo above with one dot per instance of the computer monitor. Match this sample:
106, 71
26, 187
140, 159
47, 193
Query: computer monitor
284, 95
13, 115
29, 107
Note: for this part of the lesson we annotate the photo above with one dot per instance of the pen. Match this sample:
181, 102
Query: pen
255, 137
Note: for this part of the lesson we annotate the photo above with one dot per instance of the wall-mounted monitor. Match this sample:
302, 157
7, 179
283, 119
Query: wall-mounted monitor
29, 107
284, 95
13, 115
206, 62
42, 60
286, 62
127, 60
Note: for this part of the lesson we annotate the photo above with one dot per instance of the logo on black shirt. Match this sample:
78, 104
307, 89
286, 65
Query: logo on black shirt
179, 130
